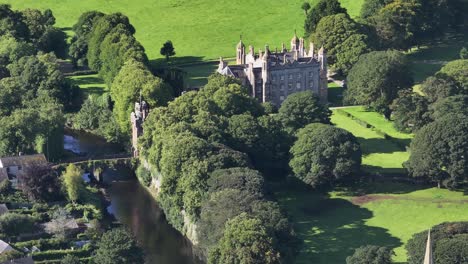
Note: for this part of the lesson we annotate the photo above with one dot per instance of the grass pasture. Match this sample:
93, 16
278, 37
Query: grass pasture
200, 30
90, 84
385, 214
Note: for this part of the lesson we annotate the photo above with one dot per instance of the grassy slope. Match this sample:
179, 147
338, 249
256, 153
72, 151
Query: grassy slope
90, 84
379, 155
200, 30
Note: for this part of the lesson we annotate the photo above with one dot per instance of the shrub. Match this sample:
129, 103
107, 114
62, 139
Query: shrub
13, 224
143, 175
5, 186
371, 255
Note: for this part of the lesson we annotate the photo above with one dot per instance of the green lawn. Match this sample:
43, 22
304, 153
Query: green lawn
200, 30
380, 155
90, 84
332, 225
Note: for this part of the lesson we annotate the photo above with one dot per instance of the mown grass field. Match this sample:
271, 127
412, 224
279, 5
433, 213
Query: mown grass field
90, 84
334, 224
200, 30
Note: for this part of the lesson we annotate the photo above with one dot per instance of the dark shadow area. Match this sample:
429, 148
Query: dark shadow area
335, 96
175, 61
381, 187
330, 228
66, 28
94, 90
87, 80
384, 172
377, 145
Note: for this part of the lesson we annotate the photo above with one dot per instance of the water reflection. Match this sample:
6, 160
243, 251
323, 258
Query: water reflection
88, 145
134, 206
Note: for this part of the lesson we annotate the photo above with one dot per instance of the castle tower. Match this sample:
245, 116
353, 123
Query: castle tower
311, 50
294, 42
428, 258
265, 73
301, 48
322, 58
222, 64
240, 58
283, 48
137, 118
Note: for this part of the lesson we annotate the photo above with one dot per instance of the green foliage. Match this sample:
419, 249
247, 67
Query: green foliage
144, 175
321, 9
167, 50
73, 182
117, 246
5, 186
245, 240
464, 53
371, 7
70, 259
371, 255
243, 179
44, 244
410, 111
59, 254
12, 50
305, 6
438, 150
449, 244
132, 80
450, 106
79, 43
12, 224
40, 183
342, 38
458, 70
301, 109
376, 79
5, 257
324, 154
440, 87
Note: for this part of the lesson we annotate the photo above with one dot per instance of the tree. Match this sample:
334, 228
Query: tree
117, 246
243, 179
13, 224
70, 259
410, 111
450, 106
73, 182
133, 80
11, 23
440, 87
305, 6
321, 9
39, 182
324, 154
332, 31
438, 151
245, 240
464, 53
349, 51
371, 255
458, 70
376, 79
12, 50
449, 243
302, 108
371, 7
167, 50
79, 43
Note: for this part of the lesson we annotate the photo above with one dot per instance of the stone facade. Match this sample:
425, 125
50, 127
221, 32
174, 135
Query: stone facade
137, 118
272, 76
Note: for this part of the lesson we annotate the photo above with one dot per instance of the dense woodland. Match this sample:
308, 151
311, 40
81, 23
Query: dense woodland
213, 152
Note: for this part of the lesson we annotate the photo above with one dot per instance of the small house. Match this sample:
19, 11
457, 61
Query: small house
10, 167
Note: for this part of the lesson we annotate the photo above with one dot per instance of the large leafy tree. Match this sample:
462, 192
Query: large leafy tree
349, 51
117, 246
167, 50
301, 109
376, 79
73, 182
371, 7
39, 182
133, 80
11, 23
439, 149
321, 9
458, 70
324, 154
410, 111
245, 240
79, 43
439, 87
450, 106
371, 255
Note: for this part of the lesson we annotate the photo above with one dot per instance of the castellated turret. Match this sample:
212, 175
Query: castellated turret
137, 118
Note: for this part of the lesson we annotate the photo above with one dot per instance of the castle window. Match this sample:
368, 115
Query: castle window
282, 98
299, 75
311, 74
298, 85
290, 86
290, 76
282, 87
311, 84
282, 77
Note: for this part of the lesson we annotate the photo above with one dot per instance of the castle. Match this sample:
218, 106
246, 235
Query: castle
272, 76
137, 118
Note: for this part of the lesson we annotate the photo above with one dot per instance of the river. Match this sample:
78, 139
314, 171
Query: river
134, 207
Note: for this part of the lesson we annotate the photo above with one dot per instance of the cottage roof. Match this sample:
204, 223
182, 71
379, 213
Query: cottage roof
22, 160
3, 209
5, 247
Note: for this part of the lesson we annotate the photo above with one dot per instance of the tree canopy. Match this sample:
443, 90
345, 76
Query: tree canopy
117, 246
371, 255
322, 9
324, 154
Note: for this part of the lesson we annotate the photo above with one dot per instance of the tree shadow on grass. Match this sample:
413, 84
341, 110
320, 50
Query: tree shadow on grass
87, 80
175, 61
377, 145
94, 90
330, 228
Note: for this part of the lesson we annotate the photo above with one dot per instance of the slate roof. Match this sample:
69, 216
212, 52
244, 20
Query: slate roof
22, 160
5, 247
25, 260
